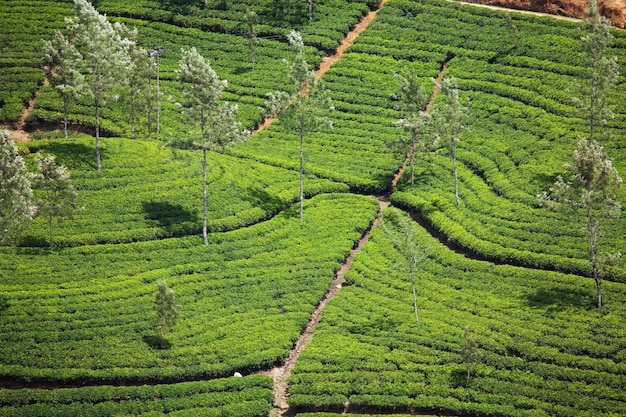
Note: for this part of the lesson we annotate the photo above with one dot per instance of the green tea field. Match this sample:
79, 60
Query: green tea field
386, 297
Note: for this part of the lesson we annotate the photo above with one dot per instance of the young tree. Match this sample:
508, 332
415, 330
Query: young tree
250, 19
588, 191
601, 71
414, 100
104, 52
471, 354
58, 194
139, 75
305, 108
167, 311
219, 128
448, 122
62, 69
16, 205
399, 230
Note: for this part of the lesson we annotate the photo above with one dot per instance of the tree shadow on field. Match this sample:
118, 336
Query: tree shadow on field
72, 155
157, 342
270, 204
560, 299
172, 217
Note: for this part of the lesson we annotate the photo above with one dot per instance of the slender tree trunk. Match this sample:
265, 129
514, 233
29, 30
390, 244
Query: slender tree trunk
414, 297
65, 110
310, 9
132, 117
204, 205
413, 150
97, 105
592, 230
456, 178
301, 169
50, 227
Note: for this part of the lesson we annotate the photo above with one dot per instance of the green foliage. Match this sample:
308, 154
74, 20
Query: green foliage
82, 314
167, 311
369, 351
250, 396
303, 108
16, 205
58, 194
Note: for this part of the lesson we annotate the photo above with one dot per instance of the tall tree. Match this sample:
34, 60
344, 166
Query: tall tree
62, 68
588, 192
104, 51
250, 19
399, 230
139, 89
414, 100
58, 197
219, 128
16, 205
601, 71
448, 122
167, 311
303, 109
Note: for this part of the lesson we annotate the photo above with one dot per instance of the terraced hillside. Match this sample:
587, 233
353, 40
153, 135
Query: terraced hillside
83, 313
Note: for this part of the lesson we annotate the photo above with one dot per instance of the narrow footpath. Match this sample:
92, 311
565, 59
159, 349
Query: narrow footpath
281, 374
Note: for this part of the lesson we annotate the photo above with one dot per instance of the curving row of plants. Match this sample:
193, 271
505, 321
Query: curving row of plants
544, 348
86, 314
359, 150
172, 27
250, 396
519, 77
151, 192
331, 19
22, 48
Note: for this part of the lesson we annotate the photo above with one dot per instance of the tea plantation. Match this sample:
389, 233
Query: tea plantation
77, 323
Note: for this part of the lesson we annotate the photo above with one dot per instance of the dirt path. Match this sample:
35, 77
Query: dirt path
328, 61
281, 374
514, 10
18, 133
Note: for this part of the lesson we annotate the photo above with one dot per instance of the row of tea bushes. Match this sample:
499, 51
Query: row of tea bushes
523, 128
22, 48
544, 348
250, 396
147, 192
85, 314
358, 150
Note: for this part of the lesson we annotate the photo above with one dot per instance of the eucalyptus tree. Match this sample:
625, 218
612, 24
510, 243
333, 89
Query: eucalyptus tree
219, 128
601, 72
16, 194
103, 47
138, 84
58, 196
250, 20
305, 107
399, 229
414, 100
448, 121
588, 192
61, 64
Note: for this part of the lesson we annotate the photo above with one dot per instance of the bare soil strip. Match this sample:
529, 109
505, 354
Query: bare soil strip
281, 374
328, 61
514, 10
18, 133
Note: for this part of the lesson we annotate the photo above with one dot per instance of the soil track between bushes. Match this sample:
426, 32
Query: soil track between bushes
281, 374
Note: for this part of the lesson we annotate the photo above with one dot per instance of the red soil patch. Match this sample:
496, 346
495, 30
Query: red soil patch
615, 10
